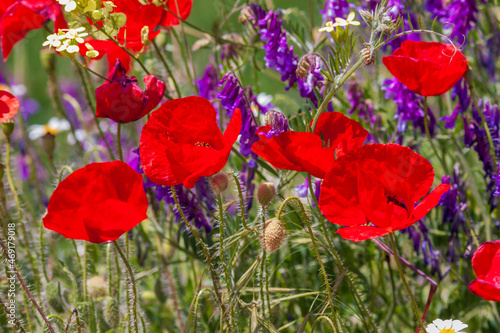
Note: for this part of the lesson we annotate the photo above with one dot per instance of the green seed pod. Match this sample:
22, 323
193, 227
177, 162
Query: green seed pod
266, 193
111, 312
97, 286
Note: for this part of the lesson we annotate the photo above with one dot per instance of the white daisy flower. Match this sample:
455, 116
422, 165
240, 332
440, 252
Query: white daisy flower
54, 126
446, 326
69, 5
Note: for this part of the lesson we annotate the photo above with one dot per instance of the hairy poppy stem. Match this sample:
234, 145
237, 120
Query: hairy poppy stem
27, 291
119, 141
403, 279
242, 204
167, 68
316, 251
132, 280
225, 267
352, 286
428, 134
204, 248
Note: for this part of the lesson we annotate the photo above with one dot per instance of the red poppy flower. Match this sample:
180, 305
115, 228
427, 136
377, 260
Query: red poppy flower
428, 69
97, 203
181, 142
9, 105
335, 134
17, 18
486, 265
123, 101
378, 184
184, 9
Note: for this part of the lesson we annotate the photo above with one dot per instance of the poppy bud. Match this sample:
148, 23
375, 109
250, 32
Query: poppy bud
122, 100
8, 128
274, 234
97, 286
266, 193
49, 143
219, 182
111, 312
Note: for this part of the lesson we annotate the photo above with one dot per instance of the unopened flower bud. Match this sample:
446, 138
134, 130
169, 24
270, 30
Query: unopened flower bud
97, 15
277, 121
97, 286
121, 20
246, 15
274, 235
304, 67
145, 35
366, 16
49, 144
8, 128
266, 193
219, 182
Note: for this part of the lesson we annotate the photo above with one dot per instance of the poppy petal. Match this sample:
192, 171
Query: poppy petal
9, 105
485, 289
482, 260
363, 232
429, 201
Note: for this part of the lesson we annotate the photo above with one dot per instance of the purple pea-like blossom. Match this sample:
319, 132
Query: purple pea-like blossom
454, 203
303, 189
460, 92
208, 83
278, 123
409, 106
188, 200
461, 14
335, 8
233, 97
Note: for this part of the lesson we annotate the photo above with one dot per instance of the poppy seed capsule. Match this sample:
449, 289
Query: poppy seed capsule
8, 128
111, 312
97, 286
274, 235
266, 193
219, 182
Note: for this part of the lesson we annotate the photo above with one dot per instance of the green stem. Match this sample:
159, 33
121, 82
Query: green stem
132, 282
204, 248
119, 141
222, 254
263, 276
341, 265
167, 68
403, 279
242, 204
428, 134
316, 251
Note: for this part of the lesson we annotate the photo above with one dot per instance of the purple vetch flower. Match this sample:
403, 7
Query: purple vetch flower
481, 145
454, 203
497, 183
208, 83
359, 104
461, 92
419, 234
278, 123
310, 77
232, 97
303, 189
261, 102
461, 14
188, 200
335, 8
409, 106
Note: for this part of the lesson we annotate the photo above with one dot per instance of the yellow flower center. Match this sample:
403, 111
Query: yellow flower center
447, 330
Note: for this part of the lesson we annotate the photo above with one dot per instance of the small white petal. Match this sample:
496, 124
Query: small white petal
350, 16
80, 29
448, 323
439, 323
431, 328
36, 132
64, 2
70, 6
73, 49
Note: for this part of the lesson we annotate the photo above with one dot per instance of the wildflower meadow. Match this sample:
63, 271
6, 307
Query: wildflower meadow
250, 166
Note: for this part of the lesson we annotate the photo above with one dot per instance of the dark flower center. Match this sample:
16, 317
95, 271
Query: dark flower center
395, 201
202, 144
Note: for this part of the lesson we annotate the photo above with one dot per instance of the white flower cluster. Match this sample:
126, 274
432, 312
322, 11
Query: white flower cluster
66, 40
69, 5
